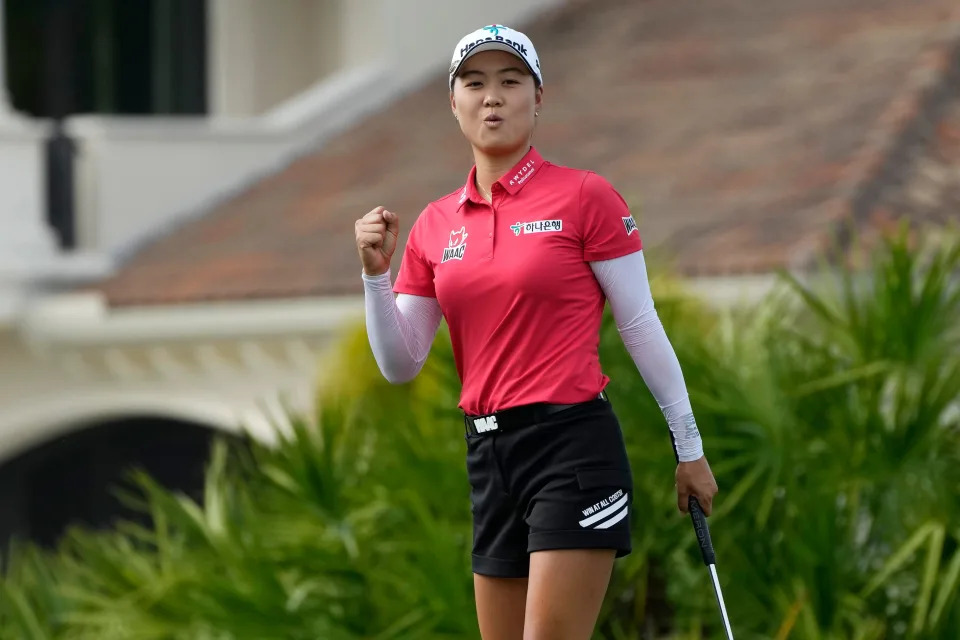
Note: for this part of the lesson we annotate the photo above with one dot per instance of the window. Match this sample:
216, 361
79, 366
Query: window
67, 57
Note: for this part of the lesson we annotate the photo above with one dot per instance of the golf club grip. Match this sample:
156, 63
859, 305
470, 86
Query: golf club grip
703, 531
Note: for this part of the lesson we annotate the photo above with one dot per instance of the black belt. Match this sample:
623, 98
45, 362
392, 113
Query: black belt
516, 417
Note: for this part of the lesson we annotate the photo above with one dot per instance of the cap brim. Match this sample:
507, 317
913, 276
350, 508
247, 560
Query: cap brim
492, 46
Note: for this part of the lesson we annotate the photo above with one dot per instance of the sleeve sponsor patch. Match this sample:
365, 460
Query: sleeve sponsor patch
630, 224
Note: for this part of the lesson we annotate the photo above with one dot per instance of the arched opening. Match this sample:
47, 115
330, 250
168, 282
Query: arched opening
72, 479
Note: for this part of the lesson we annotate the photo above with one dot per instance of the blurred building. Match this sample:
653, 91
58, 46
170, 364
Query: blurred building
120, 123
179, 181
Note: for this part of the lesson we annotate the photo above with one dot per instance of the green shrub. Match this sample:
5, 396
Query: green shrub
830, 414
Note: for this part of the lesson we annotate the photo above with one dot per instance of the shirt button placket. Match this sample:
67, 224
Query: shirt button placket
495, 192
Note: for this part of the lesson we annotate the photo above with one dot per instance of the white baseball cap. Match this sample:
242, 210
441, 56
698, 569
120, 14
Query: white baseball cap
496, 37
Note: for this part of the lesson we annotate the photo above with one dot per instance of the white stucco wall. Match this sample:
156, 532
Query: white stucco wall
23, 229
262, 53
48, 392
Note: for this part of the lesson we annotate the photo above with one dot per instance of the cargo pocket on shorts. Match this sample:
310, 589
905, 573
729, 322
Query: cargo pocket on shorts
606, 493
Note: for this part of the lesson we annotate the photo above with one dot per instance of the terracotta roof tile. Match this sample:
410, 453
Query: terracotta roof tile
742, 132
929, 186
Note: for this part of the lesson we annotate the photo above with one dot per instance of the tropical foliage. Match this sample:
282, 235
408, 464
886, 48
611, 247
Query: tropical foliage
831, 417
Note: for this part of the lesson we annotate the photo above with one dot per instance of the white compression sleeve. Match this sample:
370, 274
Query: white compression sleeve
625, 283
400, 329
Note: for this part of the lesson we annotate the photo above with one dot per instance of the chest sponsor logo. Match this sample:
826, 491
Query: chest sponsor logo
457, 245
540, 226
630, 224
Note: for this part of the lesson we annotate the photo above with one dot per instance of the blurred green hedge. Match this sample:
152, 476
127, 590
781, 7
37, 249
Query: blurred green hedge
830, 413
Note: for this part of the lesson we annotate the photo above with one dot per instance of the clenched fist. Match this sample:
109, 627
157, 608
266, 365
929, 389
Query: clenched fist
377, 240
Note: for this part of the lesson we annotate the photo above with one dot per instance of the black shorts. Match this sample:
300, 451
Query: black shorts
563, 482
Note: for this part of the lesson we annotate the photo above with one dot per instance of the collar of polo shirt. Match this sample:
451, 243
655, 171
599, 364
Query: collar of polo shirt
511, 182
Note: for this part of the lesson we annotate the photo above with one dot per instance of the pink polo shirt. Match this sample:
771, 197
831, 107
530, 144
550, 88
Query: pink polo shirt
514, 284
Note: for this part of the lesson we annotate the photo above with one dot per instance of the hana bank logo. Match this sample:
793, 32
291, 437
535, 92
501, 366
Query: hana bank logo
540, 226
494, 31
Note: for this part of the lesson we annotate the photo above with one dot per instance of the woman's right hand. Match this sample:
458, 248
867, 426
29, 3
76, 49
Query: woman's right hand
377, 234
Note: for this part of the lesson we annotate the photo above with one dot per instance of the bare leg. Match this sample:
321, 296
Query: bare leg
566, 591
500, 606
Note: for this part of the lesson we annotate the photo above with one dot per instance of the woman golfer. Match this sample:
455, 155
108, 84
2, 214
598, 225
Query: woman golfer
519, 261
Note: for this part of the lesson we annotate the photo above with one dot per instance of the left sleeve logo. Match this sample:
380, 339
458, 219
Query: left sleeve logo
630, 224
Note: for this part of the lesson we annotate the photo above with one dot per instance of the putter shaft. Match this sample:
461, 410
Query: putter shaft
709, 558
723, 607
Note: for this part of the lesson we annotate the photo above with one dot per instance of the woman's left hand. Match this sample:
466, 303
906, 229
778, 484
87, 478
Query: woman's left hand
695, 478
